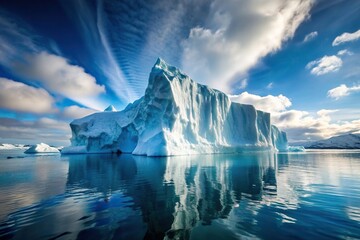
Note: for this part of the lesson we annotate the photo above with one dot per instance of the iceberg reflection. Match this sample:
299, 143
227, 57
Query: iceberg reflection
174, 194
209, 188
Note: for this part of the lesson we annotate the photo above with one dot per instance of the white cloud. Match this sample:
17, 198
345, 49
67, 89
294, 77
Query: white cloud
20, 97
325, 65
57, 75
268, 103
346, 37
342, 91
236, 38
46, 130
344, 52
310, 36
73, 112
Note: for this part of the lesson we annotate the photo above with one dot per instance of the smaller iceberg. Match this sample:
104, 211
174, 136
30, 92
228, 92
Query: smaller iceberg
42, 148
9, 146
110, 108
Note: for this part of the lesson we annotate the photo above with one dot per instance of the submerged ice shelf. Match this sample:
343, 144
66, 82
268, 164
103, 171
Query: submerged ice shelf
176, 116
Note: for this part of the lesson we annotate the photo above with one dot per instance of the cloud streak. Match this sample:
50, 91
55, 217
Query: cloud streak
344, 52
92, 24
310, 36
15, 38
346, 37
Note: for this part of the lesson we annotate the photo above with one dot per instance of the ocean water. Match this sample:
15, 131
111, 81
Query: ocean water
311, 195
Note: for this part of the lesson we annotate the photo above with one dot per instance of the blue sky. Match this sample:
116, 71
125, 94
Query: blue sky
61, 60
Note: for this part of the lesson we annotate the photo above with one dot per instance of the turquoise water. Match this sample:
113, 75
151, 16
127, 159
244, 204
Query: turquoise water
312, 195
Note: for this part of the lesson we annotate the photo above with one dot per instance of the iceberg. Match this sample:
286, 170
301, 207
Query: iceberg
110, 108
176, 116
42, 148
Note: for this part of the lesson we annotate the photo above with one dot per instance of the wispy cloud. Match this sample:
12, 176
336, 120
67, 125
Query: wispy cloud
236, 38
346, 37
342, 91
93, 25
270, 85
345, 52
15, 38
310, 36
325, 65
243, 84
20, 97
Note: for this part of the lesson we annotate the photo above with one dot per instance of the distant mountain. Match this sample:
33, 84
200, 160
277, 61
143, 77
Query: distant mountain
348, 141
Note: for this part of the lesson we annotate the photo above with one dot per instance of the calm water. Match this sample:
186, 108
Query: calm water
313, 195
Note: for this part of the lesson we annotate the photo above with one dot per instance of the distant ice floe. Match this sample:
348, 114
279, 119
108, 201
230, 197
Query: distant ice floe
42, 148
296, 149
9, 146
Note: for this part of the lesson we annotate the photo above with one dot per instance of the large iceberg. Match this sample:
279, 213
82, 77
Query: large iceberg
177, 116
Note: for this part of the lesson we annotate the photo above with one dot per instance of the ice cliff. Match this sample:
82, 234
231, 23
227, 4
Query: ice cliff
177, 116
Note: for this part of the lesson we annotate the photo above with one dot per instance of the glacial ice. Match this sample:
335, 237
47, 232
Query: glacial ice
110, 108
42, 148
176, 116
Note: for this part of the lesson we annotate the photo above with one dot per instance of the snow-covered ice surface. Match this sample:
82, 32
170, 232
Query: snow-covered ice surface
177, 116
42, 148
348, 141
